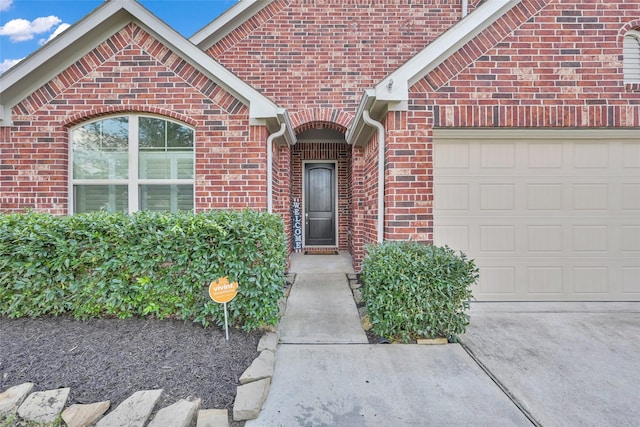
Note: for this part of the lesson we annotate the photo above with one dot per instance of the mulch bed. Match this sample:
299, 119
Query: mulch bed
110, 359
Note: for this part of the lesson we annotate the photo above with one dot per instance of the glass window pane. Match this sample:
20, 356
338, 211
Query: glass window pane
179, 136
166, 150
100, 149
166, 165
185, 167
90, 198
170, 198
152, 133
154, 165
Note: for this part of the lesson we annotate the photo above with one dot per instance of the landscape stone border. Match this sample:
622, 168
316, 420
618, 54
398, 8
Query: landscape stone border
256, 379
48, 406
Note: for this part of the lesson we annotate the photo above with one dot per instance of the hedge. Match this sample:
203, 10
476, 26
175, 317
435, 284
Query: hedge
413, 290
144, 264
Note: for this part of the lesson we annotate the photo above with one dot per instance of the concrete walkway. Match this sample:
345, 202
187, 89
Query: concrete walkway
519, 364
330, 383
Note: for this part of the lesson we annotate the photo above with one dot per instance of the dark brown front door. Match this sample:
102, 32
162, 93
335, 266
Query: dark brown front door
319, 203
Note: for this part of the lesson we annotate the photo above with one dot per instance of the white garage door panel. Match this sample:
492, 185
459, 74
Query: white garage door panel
544, 218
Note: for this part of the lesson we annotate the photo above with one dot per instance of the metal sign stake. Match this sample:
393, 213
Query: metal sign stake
226, 322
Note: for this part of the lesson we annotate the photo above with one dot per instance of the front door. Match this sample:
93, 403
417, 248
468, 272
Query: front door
320, 204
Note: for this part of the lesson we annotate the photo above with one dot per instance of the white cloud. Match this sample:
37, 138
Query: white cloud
58, 30
8, 63
5, 4
20, 30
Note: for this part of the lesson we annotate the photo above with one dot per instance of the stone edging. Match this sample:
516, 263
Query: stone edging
256, 379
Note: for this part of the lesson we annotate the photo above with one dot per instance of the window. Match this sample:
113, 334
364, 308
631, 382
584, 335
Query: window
631, 52
130, 163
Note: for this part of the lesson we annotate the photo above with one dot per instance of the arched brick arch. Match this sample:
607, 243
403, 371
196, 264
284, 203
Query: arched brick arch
632, 25
324, 117
115, 109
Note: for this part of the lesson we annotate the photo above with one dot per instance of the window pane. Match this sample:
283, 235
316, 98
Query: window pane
166, 165
166, 150
89, 198
170, 198
179, 136
100, 149
152, 133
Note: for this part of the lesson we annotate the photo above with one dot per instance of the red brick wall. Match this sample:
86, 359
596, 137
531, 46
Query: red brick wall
308, 54
315, 57
132, 72
408, 195
364, 199
561, 68
282, 188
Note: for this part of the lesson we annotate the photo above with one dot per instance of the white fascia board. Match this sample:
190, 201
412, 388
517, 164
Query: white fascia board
227, 22
34, 71
395, 87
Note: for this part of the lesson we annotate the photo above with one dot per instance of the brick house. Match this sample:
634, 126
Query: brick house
509, 129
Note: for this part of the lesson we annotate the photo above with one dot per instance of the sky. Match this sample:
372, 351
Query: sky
26, 25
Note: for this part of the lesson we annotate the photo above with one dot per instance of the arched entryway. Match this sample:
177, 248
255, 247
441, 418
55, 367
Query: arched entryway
321, 183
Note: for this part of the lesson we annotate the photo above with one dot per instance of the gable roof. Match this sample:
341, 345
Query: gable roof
392, 93
78, 40
227, 22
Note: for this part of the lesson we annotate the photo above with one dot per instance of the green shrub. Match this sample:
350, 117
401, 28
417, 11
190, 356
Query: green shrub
145, 264
413, 290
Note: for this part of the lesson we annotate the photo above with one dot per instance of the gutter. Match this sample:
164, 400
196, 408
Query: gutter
289, 137
283, 129
381, 146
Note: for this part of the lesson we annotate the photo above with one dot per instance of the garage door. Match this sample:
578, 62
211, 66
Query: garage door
547, 215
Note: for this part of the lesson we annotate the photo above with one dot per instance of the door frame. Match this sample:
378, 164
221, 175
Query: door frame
335, 201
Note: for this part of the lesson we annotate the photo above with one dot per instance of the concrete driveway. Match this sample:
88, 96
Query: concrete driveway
563, 364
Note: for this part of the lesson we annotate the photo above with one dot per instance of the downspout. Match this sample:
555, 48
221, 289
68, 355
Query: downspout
465, 8
283, 128
368, 120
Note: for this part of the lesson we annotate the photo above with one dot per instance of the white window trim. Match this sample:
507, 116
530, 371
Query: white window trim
133, 182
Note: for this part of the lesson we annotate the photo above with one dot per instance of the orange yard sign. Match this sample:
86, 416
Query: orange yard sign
221, 291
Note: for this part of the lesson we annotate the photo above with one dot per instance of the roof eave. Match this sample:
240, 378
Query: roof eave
31, 73
359, 133
227, 22
395, 87
392, 93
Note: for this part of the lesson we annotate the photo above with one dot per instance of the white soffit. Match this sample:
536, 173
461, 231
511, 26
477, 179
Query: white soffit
37, 69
